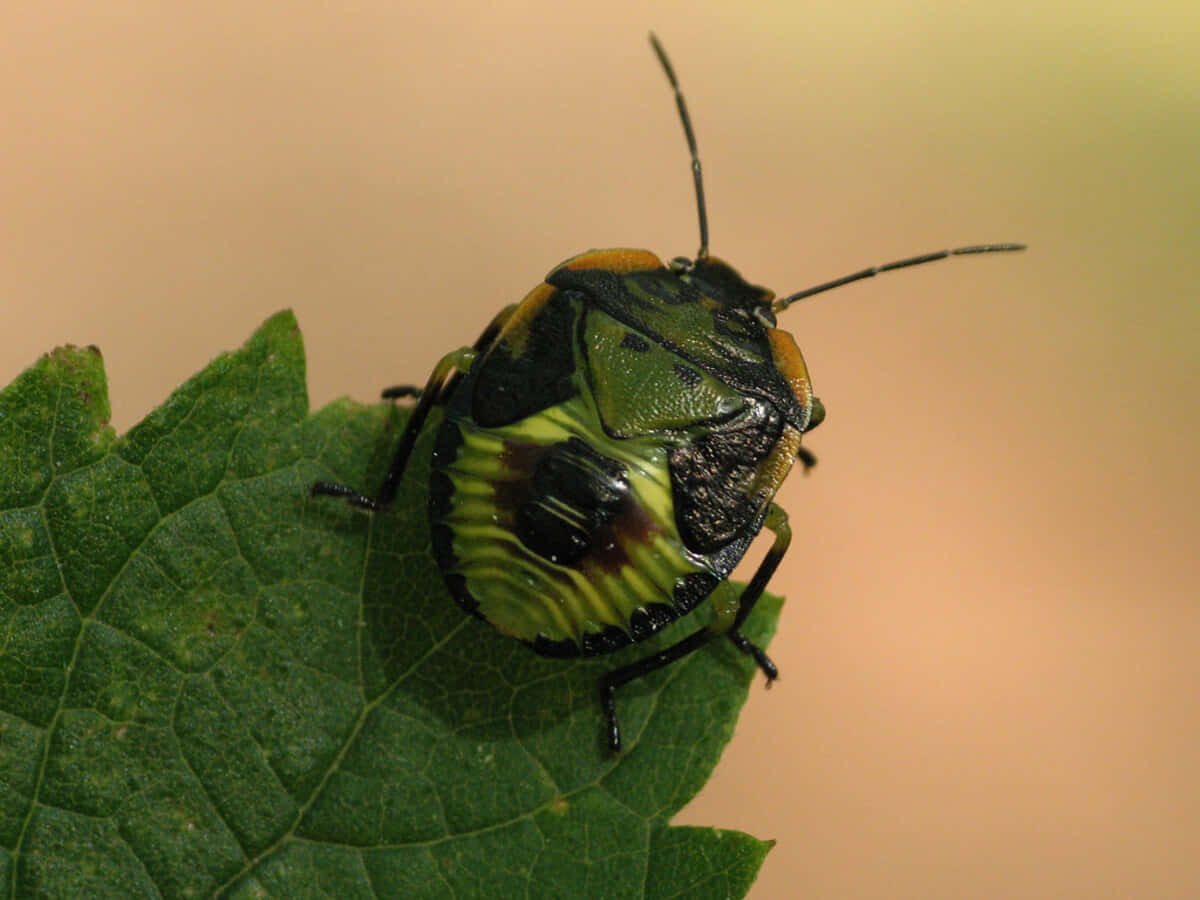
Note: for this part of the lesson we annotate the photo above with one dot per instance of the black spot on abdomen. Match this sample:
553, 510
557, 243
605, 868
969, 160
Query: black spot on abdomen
574, 493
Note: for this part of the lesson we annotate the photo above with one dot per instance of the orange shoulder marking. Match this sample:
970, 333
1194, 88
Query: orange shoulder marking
516, 328
775, 466
789, 362
620, 260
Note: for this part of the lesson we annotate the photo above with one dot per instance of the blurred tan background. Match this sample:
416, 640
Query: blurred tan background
990, 651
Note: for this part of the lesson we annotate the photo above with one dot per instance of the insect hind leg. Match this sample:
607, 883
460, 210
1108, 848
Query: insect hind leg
729, 617
610, 681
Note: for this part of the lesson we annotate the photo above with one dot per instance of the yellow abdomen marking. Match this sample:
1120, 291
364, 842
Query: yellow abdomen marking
634, 562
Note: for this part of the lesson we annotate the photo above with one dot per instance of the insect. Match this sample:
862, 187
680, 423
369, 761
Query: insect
610, 447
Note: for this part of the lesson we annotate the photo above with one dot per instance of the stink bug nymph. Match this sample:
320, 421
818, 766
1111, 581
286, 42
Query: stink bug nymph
610, 447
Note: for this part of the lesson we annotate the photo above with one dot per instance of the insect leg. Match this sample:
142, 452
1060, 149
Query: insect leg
397, 391
777, 523
484, 342
728, 619
816, 417
459, 360
481, 345
610, 681
444, 376
750, 648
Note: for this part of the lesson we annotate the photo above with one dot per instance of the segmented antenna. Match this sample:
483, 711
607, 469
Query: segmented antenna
702, 253
702, 211
783, 303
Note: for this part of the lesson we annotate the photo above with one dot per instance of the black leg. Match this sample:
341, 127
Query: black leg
806, 458
441, 381
459, 360
760, 656
777, 523
482, 344
610, 681
727, 620
397, 391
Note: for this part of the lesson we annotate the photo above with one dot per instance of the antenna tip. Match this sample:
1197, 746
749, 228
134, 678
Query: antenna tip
661, 53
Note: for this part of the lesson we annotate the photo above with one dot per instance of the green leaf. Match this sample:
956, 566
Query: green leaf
213, 685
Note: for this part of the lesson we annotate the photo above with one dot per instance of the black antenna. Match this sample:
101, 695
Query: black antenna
702, 253
785, 302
